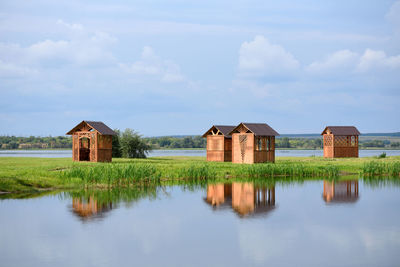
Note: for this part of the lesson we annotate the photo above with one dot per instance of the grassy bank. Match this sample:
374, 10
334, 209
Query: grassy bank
39, 174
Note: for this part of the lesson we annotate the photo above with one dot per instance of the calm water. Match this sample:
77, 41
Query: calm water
317, 223
202, 153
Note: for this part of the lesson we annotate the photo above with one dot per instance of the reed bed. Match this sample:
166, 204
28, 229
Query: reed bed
285, 170
121, 174
195, 173
377, 168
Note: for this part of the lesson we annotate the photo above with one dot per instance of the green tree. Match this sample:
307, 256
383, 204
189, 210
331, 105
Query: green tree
132, 145
285, 142
116, 144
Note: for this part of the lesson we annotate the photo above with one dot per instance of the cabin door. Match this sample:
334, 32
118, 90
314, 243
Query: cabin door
84, 149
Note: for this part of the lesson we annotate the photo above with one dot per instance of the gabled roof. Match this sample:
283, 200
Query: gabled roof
342, 130
224, 129
258, 129
96, 125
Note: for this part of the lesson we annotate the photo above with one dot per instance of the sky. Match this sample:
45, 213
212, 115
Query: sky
178, 67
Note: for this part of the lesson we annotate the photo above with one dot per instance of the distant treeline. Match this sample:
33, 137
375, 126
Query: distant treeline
34, 142
174, 142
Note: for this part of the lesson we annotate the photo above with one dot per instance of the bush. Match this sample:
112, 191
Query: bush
383, 155
132, 145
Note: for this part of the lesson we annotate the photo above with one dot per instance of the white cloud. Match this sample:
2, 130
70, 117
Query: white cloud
151, 65
373, 59
12, 70
346, 61
261, 58
82, 48
74, 27
342, 60
394, 14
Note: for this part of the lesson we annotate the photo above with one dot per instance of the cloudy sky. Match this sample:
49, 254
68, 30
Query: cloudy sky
179, 66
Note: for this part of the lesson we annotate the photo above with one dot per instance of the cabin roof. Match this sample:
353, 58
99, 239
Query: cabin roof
342, 130
224, 129
97, 125
258, 129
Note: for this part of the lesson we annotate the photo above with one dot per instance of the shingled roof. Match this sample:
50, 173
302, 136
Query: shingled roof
258, 129
224, 129
97, 125
342, 130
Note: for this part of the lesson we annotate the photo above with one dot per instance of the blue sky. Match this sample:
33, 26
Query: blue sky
177, 67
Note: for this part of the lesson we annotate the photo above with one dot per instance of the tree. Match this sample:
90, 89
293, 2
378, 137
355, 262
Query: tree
116, 145
132, 145
285, 142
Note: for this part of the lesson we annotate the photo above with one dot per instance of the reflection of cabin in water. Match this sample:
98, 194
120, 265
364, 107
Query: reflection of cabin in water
253, 143
219, 143
90, 208
244, 198
91, 141
340, 192
340, 141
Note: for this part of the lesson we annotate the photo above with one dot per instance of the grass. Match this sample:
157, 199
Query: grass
34, 175
381, 168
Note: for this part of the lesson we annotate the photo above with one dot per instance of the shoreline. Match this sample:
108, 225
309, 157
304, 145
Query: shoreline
28, 174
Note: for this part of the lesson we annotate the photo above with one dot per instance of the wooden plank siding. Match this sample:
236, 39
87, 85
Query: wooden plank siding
219, 148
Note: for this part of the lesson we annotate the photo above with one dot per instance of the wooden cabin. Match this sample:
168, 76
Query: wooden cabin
91, 141
340, 142
219, 143
340, 192
253, 143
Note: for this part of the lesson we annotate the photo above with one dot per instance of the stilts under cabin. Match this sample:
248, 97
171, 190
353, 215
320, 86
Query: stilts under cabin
253, 143
340, 142
91, 141
219, 143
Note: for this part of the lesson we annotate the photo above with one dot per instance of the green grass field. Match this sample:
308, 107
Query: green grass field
19, 175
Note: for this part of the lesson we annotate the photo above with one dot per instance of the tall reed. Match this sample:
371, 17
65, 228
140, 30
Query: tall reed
114, 173
287, 170
377, 168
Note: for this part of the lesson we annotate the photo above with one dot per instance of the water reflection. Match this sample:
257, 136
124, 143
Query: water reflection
246, 199
340, 192
88, 208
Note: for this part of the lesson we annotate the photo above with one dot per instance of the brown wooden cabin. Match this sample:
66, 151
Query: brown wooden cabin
340, 192
219, 143
91, 141
253, 143
340, 142
245, 199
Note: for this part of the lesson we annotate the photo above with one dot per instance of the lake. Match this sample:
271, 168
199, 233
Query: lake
202, 153
315, 223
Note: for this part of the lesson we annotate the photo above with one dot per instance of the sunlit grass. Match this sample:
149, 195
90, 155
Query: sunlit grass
38, 174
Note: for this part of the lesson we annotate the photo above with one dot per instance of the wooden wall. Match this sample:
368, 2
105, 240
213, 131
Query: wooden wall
267, 152
100, 149
219, 148
243, 148
340, 146
104, 148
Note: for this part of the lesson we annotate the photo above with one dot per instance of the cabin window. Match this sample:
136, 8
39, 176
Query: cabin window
353, 141
268, 143
259, 144
84, 142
